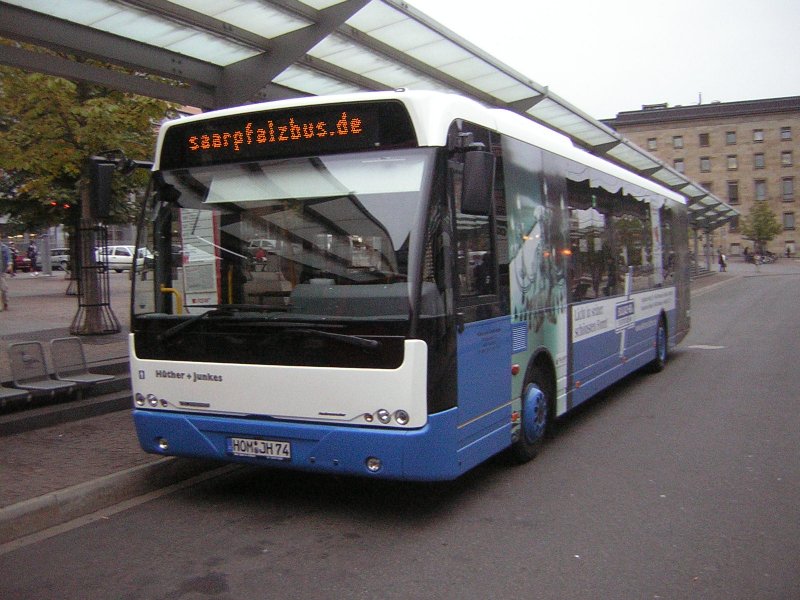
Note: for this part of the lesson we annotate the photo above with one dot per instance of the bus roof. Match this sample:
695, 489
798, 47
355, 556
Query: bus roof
432, 113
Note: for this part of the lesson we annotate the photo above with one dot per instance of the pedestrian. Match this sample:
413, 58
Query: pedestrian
723, 263
6, 262
32, 252
13, 250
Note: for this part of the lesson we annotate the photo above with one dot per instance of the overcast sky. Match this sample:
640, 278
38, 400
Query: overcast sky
608, 56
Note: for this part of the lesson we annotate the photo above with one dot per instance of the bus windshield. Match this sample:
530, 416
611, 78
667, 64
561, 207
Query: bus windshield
315, 236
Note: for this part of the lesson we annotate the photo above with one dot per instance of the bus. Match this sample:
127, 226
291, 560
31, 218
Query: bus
396, 285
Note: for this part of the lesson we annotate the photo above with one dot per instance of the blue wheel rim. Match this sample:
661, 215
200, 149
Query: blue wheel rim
534, 414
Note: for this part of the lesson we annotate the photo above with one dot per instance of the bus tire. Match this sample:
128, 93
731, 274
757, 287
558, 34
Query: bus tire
660, 361
534, 419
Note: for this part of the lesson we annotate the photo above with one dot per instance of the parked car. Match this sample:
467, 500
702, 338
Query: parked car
22, 264
59, 258
258, 249
120, 258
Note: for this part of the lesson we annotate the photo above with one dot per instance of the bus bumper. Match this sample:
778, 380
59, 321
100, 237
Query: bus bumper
426, 454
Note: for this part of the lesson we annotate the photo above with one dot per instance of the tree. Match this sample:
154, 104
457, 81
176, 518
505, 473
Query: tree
50, 126
761, 226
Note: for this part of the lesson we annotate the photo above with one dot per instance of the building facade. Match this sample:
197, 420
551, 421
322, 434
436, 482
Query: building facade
743, 152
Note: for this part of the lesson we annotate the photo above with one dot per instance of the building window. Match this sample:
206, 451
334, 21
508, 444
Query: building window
758, 135
704, 140
652, 144
733, 163
705, 164
758, 160
733, 225
761, 189
786, 158
787, 188
733, 192
730, 137
786, 134
677, 142
788, 221
678, 164
707, 185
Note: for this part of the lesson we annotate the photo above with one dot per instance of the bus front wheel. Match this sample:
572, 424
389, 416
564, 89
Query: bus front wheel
535, 416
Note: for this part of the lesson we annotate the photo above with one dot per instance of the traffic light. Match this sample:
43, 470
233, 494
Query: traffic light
100, 176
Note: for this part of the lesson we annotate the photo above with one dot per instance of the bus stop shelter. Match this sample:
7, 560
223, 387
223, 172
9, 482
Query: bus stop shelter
220, 53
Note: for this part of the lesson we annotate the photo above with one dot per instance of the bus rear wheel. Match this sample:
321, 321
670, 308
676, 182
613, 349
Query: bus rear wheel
660, 361
534, 419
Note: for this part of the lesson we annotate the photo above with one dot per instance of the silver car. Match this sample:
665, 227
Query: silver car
59, 258
120, 258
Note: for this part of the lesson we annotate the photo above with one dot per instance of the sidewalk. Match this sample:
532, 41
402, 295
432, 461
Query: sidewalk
40, 310
90, 458
50, 475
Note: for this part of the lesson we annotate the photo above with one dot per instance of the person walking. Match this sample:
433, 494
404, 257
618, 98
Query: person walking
13, 250
6, 262
33, 251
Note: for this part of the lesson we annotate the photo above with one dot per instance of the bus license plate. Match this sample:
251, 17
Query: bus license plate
253, 448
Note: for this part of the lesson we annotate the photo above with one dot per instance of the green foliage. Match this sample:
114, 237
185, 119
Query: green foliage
50, 126
761, 225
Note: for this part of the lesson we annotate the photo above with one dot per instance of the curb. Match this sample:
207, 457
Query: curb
47, 416
34, 515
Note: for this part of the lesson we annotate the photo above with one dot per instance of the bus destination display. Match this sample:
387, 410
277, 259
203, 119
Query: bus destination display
284, 133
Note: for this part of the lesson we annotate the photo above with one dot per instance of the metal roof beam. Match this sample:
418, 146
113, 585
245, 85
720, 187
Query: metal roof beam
199, 20
605, 148
62, 36
245, 80
650, 172
194, 95
521, 106
361, 39
341, 74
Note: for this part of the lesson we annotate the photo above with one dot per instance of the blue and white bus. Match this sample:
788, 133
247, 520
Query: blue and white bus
396, 285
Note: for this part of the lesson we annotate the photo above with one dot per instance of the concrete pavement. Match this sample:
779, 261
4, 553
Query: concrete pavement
40, 310
61, 462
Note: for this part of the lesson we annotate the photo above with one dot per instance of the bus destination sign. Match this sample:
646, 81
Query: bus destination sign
300, 131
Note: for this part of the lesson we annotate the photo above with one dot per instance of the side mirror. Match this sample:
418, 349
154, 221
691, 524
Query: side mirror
478, 187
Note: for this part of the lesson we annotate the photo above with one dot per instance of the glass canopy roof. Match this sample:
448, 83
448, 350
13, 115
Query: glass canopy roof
215, 53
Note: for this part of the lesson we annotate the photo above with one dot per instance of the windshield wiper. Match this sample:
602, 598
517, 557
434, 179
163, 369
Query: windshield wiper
227, 309
353, 340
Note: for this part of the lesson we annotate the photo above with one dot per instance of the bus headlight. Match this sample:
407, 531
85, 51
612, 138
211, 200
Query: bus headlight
401, 417
374, 464
152, 400
139, 399
384, 416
